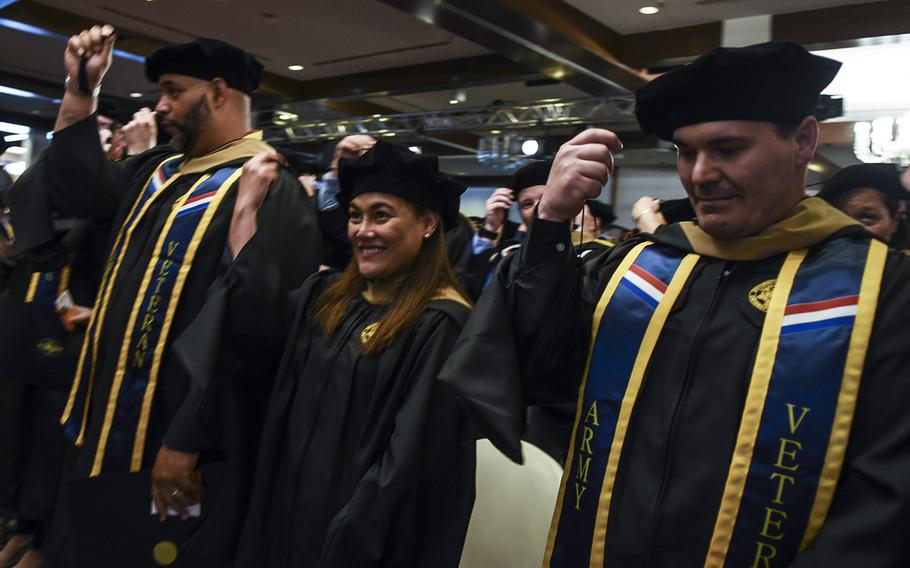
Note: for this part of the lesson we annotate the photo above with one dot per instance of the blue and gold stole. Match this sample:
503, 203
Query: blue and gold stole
794, 429
128, 407
45, 287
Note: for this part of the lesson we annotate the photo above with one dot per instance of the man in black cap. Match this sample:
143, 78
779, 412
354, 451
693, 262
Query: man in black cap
498, 236
873, 195
170, 208
716, 364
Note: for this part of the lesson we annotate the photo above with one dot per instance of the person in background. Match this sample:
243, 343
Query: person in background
595, 219
492, 242
364, 459
873, 195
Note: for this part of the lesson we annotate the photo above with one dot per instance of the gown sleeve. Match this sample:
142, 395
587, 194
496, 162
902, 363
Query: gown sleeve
526, 340
71, 179
870, 515
412, 506
241, 330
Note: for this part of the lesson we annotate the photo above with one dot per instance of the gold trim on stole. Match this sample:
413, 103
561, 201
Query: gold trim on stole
131, 322
648, 342
612, 284
752, 413
183, 272
112, 267
32, 287
849, 391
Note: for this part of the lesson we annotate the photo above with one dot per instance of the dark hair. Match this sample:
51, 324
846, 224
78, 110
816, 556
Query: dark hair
429, 274
890, 203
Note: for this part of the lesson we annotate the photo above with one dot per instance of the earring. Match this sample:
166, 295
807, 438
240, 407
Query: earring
427, 236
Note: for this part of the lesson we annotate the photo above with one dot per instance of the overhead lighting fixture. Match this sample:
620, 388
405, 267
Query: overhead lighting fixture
295, 67
458, 96
14, 128
15, 137
530, 147
496, 132
16, 150
415, 149
136, 95
649, 10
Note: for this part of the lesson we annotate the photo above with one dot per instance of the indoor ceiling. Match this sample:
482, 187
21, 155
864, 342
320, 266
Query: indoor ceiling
623, 15
382, 57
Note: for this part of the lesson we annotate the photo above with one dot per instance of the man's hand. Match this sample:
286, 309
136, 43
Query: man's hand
308, 181
259, 173
141, 133
580, 170
498, 205
96, 44
352, 147
175, 483
75, 316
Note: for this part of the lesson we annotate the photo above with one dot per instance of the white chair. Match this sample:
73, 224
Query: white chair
513, 509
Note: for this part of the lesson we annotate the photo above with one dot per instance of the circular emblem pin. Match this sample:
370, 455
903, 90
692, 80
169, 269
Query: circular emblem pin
50, 347
760, 295
368, 332
165, 553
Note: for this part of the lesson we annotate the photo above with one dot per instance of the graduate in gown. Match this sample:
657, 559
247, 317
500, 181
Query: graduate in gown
170, 209
740, 381
366, 459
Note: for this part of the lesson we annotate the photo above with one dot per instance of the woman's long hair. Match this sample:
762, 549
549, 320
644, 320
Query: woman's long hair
429, 274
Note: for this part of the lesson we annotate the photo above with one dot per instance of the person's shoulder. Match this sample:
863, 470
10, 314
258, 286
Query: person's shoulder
449, 304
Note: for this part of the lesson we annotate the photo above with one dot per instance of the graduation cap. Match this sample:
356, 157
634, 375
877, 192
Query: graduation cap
885, 178
387, 168
34, 346
113, 525
302, 162
677, 210
206, 58
602, 211
777, 82
530, 175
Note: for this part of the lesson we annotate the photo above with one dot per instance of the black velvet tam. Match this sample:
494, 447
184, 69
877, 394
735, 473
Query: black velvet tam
206, 59
530, 175
883, 177
387, 168
770, 82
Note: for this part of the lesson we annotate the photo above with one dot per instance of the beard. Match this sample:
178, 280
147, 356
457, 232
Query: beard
197, 119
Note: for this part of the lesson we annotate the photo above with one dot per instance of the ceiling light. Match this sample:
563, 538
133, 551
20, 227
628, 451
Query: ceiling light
458, 96
16, 150
15, 137
415, 149
648, 10
14, 128
496, 132
295, 67
136, 95
530, 147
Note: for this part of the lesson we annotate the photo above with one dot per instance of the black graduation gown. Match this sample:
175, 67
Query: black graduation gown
31, 447
528, 335
364, 460
74, 179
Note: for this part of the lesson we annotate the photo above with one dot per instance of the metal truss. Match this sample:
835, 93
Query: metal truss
509, 116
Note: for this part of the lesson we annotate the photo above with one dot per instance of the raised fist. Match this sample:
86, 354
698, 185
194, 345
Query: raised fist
352, 147
498, 205
259, 172
580, 170
141, 133
96, 45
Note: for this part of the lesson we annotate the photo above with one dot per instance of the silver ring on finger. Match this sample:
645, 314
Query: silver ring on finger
176, 492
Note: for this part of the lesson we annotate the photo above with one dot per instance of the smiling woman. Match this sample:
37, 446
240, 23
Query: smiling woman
368, 454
